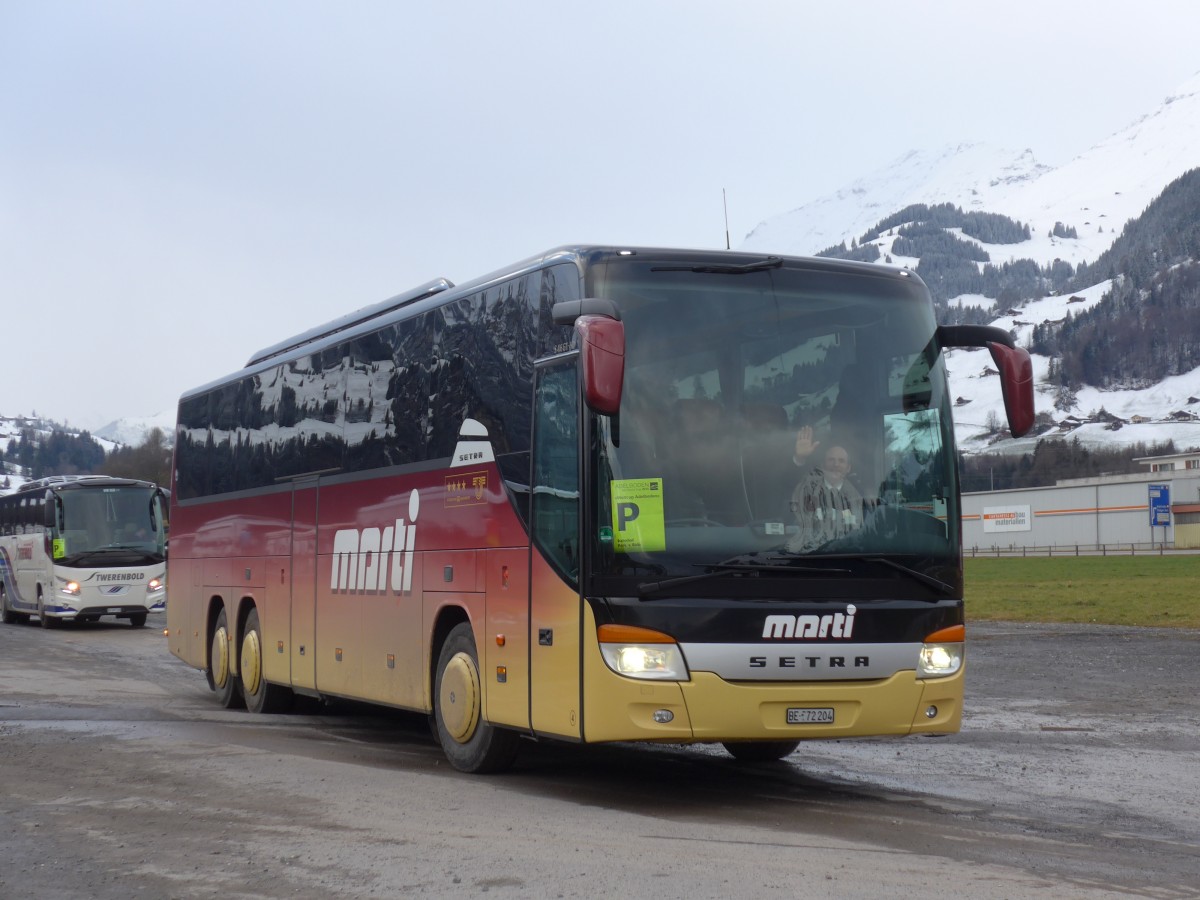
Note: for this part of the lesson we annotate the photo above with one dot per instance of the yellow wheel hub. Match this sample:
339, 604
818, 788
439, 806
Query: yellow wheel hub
251, 662
220, 657
458, 698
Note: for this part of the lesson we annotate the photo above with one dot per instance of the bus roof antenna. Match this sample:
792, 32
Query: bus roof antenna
725, 204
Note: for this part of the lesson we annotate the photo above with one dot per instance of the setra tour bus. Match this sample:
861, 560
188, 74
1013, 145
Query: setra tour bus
76, 548
570, 500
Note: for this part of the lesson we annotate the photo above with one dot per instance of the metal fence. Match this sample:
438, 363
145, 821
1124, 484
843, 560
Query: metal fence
1133, 549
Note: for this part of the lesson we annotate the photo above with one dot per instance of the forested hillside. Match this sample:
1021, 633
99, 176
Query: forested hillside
1145, 329
54, 450
952, 266
56, 453
1148, 326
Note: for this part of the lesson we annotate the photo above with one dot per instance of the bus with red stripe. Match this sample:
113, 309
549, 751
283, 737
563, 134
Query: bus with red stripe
561, 502
77, 548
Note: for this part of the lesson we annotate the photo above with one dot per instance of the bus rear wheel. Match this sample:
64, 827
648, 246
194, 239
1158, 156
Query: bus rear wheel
469, 742
220, 674
261, 696
760, 751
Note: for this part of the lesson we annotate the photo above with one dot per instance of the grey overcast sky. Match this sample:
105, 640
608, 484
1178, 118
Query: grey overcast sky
183, 183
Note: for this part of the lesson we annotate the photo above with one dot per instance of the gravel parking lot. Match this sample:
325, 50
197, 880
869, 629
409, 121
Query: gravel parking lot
1076, 775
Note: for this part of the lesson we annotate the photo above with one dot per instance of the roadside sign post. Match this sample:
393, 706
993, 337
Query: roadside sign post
1160, 509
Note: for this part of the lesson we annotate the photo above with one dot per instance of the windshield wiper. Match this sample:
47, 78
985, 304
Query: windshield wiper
917, 575
935, 583
727, 568
771, 262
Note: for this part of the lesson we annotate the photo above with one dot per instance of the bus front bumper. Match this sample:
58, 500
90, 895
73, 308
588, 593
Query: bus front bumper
709, 709
91, 613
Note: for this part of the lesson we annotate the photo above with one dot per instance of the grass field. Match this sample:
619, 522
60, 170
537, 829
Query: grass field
1162, 591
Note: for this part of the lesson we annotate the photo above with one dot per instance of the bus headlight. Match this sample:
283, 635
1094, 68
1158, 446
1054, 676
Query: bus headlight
70, 588
942, 653
154, 585
642, 653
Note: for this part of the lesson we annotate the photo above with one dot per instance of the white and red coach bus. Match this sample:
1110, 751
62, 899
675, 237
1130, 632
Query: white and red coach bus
559, 502
78, 548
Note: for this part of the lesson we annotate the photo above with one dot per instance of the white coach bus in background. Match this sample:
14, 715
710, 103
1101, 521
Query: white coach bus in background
73, 549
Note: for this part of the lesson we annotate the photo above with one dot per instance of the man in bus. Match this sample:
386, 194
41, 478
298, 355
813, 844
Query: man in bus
826, 503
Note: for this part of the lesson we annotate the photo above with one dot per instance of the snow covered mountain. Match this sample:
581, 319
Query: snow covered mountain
1091, 197
1097, 192
132, 430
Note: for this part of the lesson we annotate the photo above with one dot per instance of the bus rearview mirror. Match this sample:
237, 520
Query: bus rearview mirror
602, 355
1012, 362
1016, 386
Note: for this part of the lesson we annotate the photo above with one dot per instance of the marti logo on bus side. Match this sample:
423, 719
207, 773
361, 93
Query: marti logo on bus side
374, 559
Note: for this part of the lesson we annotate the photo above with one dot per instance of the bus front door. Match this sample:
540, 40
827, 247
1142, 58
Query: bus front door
555, 606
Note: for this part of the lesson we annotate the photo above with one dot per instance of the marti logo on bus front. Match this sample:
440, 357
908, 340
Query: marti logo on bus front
835, 625
374, 558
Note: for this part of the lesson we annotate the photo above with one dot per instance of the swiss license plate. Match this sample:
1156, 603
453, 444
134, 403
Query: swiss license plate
117, 609
807, 715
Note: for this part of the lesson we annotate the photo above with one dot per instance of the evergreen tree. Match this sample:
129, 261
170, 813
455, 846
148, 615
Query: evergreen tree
148, 461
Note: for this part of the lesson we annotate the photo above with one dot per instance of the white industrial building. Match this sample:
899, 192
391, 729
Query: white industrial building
1092, 513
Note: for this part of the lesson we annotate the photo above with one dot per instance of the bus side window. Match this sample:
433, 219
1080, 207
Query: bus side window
556, 468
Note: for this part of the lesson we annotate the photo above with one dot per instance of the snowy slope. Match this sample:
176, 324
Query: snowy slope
1100, 189
132, 430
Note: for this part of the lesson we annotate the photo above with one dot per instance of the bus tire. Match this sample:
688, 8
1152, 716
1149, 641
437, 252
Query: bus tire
261, 696
220, 673
760, 751
137, 620
45, 620
469, 742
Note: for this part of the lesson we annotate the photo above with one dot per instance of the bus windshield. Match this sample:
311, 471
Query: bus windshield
94, 520
773, 416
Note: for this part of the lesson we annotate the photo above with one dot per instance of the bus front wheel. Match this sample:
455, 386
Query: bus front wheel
46, 620
469, 742
261, 696
220, 674
760, 751
137, 620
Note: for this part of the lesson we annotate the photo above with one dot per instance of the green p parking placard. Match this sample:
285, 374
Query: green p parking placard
637, 515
